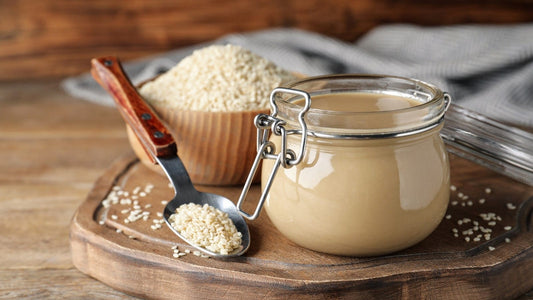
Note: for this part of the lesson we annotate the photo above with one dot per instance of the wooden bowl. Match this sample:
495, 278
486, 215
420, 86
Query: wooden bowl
217, 148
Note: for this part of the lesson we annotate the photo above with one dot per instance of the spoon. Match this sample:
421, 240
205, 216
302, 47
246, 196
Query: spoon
161, 147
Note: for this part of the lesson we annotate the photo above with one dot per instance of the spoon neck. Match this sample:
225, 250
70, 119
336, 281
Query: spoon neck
177, 174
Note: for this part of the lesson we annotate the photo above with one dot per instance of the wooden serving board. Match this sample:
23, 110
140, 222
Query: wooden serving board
137, 257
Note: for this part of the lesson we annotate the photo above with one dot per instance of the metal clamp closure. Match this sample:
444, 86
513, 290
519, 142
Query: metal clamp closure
266, 149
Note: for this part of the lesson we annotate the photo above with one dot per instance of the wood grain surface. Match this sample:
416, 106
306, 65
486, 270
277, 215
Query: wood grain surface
58, 37
53, 148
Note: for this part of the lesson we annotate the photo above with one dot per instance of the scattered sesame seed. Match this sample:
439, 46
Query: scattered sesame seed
453, 188
491, 248
469, 203
467, 239
448, 217
511, 206
142, 194
114, 217
454, 203
488, 190
507, 240
481, 201
119, 230
164, 202
507, 228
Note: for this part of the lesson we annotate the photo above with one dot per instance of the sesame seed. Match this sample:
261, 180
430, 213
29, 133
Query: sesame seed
454, 203
507, 240
511, 206
488, 190
491, 248
448, 217
507, 228
482, 200
114, 217
469, 203
453, 188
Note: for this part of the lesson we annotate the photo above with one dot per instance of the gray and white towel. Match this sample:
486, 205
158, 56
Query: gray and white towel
487, 69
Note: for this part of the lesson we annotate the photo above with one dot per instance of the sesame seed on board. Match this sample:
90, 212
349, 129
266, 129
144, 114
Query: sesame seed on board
473, 224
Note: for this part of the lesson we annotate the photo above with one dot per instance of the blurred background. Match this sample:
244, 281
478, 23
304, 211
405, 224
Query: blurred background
57, 38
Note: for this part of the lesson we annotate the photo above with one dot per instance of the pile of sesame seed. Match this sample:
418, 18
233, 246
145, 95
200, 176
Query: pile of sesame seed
207, 227
217, 78
481, 228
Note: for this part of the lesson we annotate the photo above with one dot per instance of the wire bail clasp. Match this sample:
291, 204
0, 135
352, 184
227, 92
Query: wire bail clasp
266, 149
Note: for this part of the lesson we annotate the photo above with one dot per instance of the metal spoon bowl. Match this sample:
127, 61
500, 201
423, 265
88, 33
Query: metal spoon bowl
186, 193
161, 148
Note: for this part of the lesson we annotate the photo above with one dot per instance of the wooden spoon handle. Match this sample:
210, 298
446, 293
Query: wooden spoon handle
153, 135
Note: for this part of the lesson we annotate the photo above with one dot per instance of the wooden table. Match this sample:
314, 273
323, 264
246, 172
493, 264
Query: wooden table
54, 148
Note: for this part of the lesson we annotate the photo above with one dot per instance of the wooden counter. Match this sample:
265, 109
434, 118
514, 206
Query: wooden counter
54, 148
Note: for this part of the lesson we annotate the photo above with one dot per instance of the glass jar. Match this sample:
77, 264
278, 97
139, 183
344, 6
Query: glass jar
360, 182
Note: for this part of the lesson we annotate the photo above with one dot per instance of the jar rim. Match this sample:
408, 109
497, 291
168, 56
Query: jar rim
421, 117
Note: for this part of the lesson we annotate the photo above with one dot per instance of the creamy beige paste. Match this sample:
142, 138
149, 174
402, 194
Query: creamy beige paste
361, 197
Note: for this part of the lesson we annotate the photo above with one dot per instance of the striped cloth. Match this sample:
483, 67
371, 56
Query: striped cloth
487, 69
